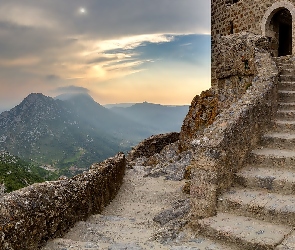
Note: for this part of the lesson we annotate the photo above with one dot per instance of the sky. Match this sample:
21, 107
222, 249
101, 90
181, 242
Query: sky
118, 51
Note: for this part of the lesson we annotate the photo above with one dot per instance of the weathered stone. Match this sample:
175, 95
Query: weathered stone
32, 215
178, 210
202, 113
152, 145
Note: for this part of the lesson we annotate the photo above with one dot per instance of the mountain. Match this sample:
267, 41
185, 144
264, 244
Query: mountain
115, 124
119, 105
48, 131
71, 132
157, 117
16, 173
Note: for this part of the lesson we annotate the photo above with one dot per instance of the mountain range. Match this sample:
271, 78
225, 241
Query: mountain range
71, 132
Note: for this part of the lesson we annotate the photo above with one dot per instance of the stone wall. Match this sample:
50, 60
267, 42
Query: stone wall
32, 215
252, 16
152, 145
225, 145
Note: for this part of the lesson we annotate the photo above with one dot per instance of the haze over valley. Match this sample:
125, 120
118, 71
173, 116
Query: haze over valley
70, 132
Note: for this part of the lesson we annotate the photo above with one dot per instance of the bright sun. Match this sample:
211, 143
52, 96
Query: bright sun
82, 10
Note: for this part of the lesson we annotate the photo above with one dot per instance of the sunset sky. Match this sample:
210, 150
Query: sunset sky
115, 50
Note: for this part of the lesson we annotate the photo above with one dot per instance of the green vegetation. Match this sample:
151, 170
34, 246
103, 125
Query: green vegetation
16, 173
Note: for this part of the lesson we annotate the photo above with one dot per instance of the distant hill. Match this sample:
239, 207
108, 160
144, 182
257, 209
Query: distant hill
159, 117
16, 173
119, 105
71, 132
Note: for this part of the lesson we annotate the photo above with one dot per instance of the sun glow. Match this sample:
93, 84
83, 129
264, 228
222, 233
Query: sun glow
82, 10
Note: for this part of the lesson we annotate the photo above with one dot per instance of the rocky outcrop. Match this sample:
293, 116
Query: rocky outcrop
32, 215
152, 145
202, 113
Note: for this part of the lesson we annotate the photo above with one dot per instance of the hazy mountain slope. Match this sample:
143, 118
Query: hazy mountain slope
76, 131
16, 173
119, 105
158, 117
117, 125
49, 132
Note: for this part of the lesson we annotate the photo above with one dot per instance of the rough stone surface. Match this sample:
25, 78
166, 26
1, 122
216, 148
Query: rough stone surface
202, 113
170, 163
152, 145
227, 143
32, 215
256, 17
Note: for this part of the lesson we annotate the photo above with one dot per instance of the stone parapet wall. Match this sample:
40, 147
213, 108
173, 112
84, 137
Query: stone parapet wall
152, 145
32, 215
225, 145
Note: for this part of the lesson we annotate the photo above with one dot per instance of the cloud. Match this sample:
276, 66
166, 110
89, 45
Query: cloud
49, 44
52, 78
72, 89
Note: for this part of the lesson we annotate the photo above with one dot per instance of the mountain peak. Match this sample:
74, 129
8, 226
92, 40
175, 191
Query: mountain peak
70, 96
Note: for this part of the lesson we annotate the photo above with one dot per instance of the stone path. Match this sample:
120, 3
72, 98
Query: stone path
259, 212
127, 223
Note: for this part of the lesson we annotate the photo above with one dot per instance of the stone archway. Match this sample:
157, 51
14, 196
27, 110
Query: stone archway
278, 26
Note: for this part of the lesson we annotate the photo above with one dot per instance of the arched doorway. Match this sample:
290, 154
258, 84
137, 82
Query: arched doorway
277, 25
281, 39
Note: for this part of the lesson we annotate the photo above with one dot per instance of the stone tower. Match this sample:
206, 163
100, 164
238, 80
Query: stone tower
274, 19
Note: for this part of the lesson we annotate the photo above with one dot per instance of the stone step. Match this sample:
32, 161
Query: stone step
288, 71
259, 204
284, 65
286, 85
281, 140
288, 243
288, 115
273, 179
246, 232
276, 158
287, 77
284, 125
286, 106
286, 96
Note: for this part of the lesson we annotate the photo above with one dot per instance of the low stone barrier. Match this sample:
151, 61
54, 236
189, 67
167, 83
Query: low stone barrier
32, 215
152, 145
225, 145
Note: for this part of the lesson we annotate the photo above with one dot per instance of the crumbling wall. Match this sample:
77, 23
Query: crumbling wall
32, 215
225, 145
152, 145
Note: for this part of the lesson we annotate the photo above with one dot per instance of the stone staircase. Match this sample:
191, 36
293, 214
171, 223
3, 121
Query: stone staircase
259, 211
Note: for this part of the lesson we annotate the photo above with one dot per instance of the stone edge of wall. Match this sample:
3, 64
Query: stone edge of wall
152, 145
225, 145
35, 214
